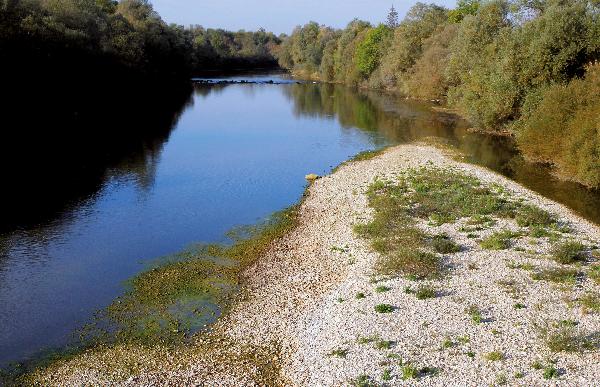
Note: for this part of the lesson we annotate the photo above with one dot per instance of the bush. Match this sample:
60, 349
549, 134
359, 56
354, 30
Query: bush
563, 128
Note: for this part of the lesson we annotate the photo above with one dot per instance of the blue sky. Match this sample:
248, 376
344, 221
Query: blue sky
278, 15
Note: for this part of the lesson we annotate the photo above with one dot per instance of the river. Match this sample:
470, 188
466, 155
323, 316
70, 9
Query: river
230, 155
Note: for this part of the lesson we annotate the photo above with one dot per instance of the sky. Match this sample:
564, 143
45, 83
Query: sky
279, 16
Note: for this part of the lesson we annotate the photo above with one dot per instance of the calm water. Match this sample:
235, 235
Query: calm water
233, 155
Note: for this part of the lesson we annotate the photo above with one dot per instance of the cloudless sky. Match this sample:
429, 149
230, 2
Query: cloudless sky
279, 15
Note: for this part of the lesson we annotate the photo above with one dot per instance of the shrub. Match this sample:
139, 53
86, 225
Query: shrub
568, 252
384, 308
444, 245
499, 240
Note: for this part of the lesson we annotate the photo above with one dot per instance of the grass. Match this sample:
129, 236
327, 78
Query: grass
384, 308
529, 215
550, 372
475, 314
519, 306
435, 194
424, 292
563, 336
383, 344
499, 240
447, 343
360, 296
568, 252
494, 356
362, 156
442, 244
363, 381
590, 302
594, 273
557, 275
338, 352
386, 375
409, 372
382, 289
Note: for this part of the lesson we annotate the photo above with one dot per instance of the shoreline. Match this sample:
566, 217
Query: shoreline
288, 320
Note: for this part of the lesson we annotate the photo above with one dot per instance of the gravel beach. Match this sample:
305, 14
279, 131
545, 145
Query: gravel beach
308, 313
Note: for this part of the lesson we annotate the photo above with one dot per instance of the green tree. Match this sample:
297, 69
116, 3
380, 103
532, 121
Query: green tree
371, 49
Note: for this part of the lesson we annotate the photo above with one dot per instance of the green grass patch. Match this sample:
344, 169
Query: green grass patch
557, 275
529, 215
590, 302
564, 336
384, 308
594, 273
568, 252
494, 356
424, 292
338, 352
475, 313
382, 289
499, 240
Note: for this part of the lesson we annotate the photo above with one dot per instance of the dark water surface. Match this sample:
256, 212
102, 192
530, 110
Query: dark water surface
230, 155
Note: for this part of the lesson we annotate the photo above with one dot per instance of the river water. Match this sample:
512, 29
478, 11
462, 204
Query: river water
231, 155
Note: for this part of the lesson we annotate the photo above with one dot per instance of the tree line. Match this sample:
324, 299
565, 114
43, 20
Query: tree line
526, 67
127, 33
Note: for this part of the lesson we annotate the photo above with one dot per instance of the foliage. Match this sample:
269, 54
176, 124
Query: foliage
463, 9
371, 49
567, 115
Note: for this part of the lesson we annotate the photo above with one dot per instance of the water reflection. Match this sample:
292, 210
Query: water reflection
80, 217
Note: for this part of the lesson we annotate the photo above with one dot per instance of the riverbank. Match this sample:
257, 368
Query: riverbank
331, 303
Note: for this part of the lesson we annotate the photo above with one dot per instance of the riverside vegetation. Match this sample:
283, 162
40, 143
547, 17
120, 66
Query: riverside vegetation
528, 68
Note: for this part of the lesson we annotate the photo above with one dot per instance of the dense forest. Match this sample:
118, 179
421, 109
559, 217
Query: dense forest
525, 67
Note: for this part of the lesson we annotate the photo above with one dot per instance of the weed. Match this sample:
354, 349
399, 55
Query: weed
471, 354
557, 275
494, 356
537, 365
360, 296
444, 245
409, 372
475, 314
381, 289
472, 235
416, 263
550, 372
424, 292
338, 352
519, 306
519, 375
472, 266
590, 302
363, 381
447, 343
386, 375
338, 249
463, 339
384, 308
529, 215
501, 379
594, 273
562, 336
500, 240
340, 300
568, 252
384, 344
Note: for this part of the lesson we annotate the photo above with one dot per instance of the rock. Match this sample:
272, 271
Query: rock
311, 177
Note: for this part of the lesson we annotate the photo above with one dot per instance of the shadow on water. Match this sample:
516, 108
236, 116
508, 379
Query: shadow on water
238, 152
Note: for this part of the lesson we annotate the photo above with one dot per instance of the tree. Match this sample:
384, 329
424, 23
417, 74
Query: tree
463, 8
392, 18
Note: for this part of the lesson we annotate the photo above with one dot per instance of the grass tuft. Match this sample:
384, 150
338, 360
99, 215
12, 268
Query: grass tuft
444, 245
568, 252
557, 275
500, 240
494, 356
384, 308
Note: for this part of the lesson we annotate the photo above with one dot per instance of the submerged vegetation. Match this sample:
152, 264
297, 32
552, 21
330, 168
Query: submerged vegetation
529, 68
